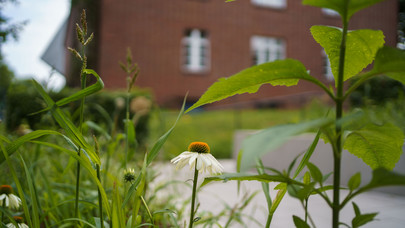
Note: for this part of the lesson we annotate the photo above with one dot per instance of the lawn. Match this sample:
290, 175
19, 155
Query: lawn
218, 127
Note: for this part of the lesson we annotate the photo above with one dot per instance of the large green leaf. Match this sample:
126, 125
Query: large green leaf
377, 146
281, 72
361, 48
341, 6
388, 61
391, 62
269, 139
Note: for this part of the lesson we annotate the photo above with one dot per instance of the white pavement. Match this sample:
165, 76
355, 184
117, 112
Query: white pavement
390, 207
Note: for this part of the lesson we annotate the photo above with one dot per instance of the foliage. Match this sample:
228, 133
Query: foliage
103, 109
41, 163
377, 142
8, 29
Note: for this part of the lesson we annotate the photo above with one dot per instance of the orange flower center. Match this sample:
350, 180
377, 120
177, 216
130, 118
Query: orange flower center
18, 219
6, 189
199, 147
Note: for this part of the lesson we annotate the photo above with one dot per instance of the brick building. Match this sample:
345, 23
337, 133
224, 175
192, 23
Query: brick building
186, 45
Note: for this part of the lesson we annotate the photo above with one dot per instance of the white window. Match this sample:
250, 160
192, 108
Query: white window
266, 49
330, 12
327, 70
271, 3
196, 50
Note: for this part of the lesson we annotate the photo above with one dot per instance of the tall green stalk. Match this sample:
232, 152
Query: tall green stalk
81, 35
337, 155
131, 69
193, 195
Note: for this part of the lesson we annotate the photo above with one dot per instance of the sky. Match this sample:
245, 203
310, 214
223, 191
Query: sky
44, 18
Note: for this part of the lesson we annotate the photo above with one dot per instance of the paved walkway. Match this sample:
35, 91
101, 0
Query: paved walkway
213, 197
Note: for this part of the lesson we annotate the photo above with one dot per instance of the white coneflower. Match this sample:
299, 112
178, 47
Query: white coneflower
19, 221
198, 157
7, 198
198, 152
129, 176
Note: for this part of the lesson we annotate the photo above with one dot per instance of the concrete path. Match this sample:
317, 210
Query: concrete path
214, 196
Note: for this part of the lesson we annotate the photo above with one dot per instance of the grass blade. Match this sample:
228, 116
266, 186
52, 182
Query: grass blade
158, 145
87, 165
33, 193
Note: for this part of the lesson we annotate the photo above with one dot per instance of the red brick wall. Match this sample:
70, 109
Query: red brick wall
153, 29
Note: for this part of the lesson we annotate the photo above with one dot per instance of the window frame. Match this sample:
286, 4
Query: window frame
267, 49
270, 3
195, 51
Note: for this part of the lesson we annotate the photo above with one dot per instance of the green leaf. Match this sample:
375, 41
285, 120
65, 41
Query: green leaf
315, 172
269, 139
98, 129
307, 178
340, 5
377, 146
354, 181
356, 209
161, 141
265, 186
282, 189
361, 48
382, 178
118, 218
71, 130
299, 223
131, 134
391, 62
307, 155
84, 92
249, 177
361, 219
300, 192
281, 72
14, 145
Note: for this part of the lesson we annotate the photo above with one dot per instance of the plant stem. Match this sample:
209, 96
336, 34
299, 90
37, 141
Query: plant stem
337, 155
2, 214
100, 200
147, 209
126, 128
193, 195
83, 86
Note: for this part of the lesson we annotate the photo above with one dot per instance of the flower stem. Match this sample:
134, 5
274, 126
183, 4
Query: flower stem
193, 195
